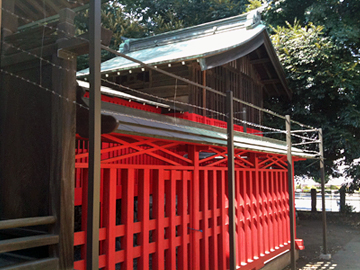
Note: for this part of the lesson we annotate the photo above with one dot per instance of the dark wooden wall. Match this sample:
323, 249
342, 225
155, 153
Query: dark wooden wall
37, 129
238, 76
25, 124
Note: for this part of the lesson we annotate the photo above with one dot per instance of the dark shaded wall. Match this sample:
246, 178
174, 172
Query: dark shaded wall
25, 144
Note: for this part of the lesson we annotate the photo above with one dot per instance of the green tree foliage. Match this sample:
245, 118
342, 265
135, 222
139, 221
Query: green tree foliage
325, 81
339, 18
322, 69
140, 18
253, 4
114, 18
166, 15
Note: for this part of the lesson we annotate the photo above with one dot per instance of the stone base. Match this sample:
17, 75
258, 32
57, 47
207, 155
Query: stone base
325, 256
280, 262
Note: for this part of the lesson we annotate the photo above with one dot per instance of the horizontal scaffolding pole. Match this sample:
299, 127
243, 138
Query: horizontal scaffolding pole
305, 130
294, 144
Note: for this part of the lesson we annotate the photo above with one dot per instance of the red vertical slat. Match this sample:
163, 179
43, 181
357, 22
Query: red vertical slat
247, 186
158, 202
128, 213
280, 209
285, 176
101, 246
265, 240
258, 212
253, 217
204, 250
223, 234
276, 212
270, 214
171, 207
109, 210
238, 216
182, 210
84, 209
144, 204
214, 256
283, 208
194, 211
241, 213
273, 226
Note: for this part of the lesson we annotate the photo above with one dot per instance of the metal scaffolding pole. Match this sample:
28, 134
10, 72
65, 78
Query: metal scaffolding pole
231, 178
324, 254
291, 192
0, 24
92, 248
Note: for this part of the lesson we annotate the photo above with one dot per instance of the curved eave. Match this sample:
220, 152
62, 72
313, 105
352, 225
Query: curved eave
190, 49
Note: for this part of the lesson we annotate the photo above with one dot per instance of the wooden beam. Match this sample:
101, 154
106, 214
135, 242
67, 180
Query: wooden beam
271, 81
52, 6
260, 61
38, 8
26, 222
204, 92
43, 264
28, 242
161, 91
66, 3
80, 45
30, 15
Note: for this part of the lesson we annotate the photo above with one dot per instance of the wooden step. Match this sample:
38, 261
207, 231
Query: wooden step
28, 242
26, 222
43, 264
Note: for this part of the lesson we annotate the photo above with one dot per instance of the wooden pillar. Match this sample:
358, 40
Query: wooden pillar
204, 93
63, 119
8, 22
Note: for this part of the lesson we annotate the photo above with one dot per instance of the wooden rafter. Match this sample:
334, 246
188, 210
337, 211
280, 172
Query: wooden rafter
141, 151
279, 161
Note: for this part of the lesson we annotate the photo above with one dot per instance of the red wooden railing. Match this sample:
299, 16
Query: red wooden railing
186, 115
165, 206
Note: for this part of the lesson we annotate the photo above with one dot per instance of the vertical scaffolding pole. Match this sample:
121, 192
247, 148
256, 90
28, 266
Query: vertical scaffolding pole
92, 253
291, 192
245, 119
231, 178
322, 173
0, 25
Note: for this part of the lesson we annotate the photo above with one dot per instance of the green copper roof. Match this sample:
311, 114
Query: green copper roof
197, 42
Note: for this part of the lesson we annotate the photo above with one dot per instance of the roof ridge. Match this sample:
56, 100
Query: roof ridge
246, 20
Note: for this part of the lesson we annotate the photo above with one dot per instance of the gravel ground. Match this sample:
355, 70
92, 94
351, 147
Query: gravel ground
340, 231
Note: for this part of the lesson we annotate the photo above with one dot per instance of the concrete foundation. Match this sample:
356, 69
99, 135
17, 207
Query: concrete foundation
280, 262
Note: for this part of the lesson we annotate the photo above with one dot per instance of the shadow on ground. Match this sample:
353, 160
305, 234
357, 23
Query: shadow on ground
341, 230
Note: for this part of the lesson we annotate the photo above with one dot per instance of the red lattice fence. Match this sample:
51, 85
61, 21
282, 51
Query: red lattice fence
164, 205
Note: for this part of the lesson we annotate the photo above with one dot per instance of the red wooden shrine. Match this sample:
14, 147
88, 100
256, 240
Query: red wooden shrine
164, 205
